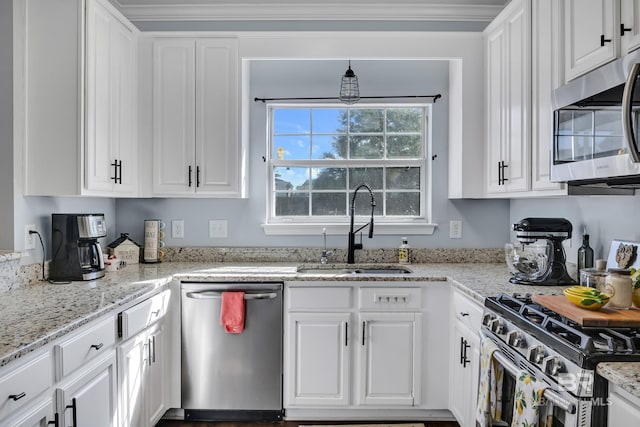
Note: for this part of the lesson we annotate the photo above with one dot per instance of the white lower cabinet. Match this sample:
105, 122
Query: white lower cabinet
353, 347
88, 397
465, 358
143, 362
624, 408
40, 413
389, 359
142, 378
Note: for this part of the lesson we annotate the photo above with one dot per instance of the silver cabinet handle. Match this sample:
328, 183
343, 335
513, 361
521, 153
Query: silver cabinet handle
218, 295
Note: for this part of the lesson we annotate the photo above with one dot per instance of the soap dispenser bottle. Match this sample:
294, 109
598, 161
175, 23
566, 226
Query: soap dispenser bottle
585, 254
403, 252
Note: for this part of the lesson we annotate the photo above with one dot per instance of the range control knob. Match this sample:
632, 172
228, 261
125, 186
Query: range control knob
535, 354
497, 326
515, 339
552, 365
487, 318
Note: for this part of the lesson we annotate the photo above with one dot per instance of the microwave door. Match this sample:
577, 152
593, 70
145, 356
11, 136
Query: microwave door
628, 112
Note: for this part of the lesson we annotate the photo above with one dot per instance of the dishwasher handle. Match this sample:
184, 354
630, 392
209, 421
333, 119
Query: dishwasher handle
218, 295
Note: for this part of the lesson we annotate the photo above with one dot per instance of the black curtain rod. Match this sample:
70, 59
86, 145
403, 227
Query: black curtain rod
435, 98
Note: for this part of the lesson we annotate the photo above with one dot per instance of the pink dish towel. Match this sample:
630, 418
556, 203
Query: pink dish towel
232, 312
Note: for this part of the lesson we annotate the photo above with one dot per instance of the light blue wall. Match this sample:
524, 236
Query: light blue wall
485, 222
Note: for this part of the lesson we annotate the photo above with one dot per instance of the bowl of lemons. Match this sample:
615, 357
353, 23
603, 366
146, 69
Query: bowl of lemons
585, 297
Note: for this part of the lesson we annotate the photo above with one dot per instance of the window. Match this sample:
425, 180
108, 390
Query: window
319, 154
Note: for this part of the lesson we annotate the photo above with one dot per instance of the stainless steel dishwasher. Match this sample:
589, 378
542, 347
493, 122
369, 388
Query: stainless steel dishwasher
231, 376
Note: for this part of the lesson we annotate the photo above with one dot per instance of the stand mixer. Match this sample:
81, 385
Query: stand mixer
535, 268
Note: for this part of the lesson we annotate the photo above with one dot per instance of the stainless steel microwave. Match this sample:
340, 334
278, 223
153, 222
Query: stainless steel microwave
596, 124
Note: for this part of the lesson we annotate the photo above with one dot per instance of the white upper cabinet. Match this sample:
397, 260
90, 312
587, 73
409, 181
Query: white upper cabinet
508, 83
77, 109
196, 143
592, 36
523, 64
630, 25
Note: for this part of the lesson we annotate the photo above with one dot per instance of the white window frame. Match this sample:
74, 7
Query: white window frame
295, 225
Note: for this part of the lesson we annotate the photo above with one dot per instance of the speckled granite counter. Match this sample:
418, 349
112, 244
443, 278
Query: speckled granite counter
38, 314
624, 374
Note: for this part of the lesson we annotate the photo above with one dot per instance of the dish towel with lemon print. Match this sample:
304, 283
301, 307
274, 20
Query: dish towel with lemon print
490, 387
530, 408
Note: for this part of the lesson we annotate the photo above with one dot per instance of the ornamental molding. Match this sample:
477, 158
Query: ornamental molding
310, 12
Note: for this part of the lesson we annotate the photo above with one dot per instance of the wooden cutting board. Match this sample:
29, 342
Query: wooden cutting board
606, 317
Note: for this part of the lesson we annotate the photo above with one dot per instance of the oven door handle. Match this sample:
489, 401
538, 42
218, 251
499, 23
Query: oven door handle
549, 394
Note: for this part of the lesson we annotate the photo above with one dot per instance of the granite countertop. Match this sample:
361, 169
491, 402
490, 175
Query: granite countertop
35, 315
624, 374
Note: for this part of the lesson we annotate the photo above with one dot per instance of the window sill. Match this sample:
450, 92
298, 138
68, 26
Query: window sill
395, 228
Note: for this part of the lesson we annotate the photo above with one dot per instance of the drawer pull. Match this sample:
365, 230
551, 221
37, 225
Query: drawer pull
17, 396
97, 346
463, 314
156, 313
56, 420
74, 414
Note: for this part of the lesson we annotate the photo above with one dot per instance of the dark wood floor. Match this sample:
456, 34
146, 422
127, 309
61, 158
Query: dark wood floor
172, 423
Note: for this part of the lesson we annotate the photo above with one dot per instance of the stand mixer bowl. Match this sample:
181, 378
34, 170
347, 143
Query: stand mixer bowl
527, 262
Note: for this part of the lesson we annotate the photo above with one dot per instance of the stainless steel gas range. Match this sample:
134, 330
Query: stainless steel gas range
559, 352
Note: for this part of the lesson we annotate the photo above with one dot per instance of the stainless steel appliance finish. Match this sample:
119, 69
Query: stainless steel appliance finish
232, 376
596, 127
76, 253
560, 353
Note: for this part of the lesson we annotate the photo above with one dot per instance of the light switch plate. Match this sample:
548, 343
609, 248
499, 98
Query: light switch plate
217, 228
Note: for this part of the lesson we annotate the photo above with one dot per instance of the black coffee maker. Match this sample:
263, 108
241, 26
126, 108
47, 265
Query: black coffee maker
76, 252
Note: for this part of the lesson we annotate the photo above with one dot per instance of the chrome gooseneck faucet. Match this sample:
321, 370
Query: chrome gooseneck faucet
352, 245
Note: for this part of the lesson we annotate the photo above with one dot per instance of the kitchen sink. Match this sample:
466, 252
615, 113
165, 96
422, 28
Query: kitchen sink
342, 270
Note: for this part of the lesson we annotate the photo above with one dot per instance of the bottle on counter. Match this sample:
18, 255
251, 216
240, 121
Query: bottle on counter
585, 254
404, 254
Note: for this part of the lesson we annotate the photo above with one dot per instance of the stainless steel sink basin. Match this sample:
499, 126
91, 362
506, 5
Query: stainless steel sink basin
341, 270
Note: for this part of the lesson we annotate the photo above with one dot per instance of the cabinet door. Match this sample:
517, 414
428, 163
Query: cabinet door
133, 363
495, 111
317, 371
588, 26
111, 144
465, 369
390, 359
217, 145
622, 410
546, 76
508, 50
89, 397
156, 383
630, 25
174, 169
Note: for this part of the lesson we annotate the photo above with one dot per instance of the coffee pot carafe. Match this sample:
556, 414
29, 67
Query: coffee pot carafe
76, 252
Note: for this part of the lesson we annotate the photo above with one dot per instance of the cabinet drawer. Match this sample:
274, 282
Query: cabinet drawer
467, 311
391, 299
319, 298
24, 383
138, 317
74, 352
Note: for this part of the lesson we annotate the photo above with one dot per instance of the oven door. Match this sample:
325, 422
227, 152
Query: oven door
568, 411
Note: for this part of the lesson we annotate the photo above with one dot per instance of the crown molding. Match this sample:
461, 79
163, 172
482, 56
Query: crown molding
310, 12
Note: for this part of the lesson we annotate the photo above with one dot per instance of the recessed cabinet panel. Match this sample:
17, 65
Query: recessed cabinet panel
173, 116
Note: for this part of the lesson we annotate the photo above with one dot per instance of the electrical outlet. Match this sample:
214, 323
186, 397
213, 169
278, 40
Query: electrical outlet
29, 239
455, 229
177, 229
217, 228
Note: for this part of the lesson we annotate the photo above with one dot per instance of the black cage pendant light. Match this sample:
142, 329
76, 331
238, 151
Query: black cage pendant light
349, 90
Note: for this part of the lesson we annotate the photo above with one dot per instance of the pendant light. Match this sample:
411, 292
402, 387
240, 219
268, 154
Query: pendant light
349, 90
